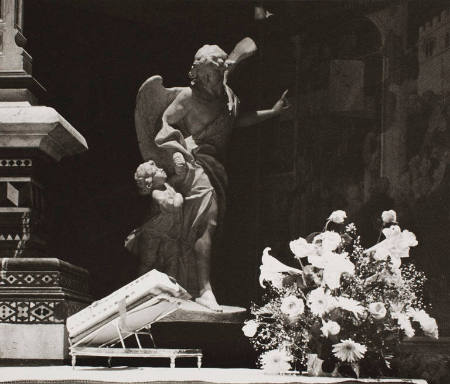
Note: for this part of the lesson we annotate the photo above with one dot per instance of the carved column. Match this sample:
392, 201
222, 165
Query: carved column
37, 292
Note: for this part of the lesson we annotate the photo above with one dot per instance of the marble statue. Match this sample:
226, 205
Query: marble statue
183, 135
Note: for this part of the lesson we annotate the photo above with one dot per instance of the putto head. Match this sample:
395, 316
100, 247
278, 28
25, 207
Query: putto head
210, 57
149, 176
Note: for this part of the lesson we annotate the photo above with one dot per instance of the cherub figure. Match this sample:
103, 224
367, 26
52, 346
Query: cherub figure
186, 130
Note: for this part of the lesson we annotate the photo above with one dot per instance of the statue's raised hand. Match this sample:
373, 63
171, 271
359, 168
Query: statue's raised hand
282, 105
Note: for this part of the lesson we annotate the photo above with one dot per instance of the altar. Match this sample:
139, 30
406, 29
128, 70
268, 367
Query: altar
97, 375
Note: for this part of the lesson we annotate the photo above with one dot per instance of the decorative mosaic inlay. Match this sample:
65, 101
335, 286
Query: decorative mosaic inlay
30, 312
29, 279
16, 163
11, 279
35, 312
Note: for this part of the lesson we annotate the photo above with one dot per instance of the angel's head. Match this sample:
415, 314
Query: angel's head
209, 67
149, 176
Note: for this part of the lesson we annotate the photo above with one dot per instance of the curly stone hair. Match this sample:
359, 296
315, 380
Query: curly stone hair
144, 177
208, 55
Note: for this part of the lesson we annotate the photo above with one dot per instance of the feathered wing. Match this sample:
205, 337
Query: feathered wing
151, 102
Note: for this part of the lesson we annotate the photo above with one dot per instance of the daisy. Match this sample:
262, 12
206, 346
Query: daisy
320, 302
275, 361
349, 350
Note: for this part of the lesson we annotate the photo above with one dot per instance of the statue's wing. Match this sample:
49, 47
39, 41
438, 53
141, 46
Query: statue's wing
151, 102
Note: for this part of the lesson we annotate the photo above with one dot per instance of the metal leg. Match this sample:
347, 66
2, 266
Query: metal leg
149, 330
199, 362
120, 335
74, 361
172, 361
109, 361
138, 341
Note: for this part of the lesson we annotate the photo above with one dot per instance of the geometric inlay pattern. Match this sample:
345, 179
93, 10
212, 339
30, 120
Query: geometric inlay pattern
29, 279
30, 312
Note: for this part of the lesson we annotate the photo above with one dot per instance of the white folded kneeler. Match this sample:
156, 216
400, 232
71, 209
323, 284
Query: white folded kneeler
128, 311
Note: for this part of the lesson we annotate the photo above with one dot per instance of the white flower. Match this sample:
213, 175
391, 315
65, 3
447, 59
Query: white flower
314, 364
250, 327
292, 306
396, 245
377, 310
325, 243
328, 240
330, 328
338, 217
349, 350
427, 323
272, 269
350, 305
320, 302
275, 361
301, 248
404, 323
334, 266
389, 216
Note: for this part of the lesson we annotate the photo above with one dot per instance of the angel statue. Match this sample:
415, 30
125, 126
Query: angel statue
183, 135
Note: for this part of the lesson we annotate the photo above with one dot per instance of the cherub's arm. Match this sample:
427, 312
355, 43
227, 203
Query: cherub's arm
255, 117
168, 200
180, 167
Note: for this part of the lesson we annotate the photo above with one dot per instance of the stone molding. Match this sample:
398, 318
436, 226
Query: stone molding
38, 127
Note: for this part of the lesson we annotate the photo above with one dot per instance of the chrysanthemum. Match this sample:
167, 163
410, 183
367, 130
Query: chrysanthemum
350, 305
292, 306
349, 350
275, 361
320, 302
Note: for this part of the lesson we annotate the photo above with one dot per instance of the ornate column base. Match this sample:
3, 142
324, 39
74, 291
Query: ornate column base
36, 297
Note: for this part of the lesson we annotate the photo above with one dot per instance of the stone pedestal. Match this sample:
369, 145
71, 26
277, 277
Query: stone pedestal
36, 297
37, 293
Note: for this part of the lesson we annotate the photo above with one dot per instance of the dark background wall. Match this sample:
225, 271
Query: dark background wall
285, 176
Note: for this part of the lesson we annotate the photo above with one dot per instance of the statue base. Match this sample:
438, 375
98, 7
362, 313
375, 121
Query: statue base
192, 312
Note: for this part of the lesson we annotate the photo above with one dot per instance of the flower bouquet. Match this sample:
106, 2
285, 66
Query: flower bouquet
345, 309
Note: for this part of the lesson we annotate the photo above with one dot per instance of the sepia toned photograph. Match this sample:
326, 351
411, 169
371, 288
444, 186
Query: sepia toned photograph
224, 191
